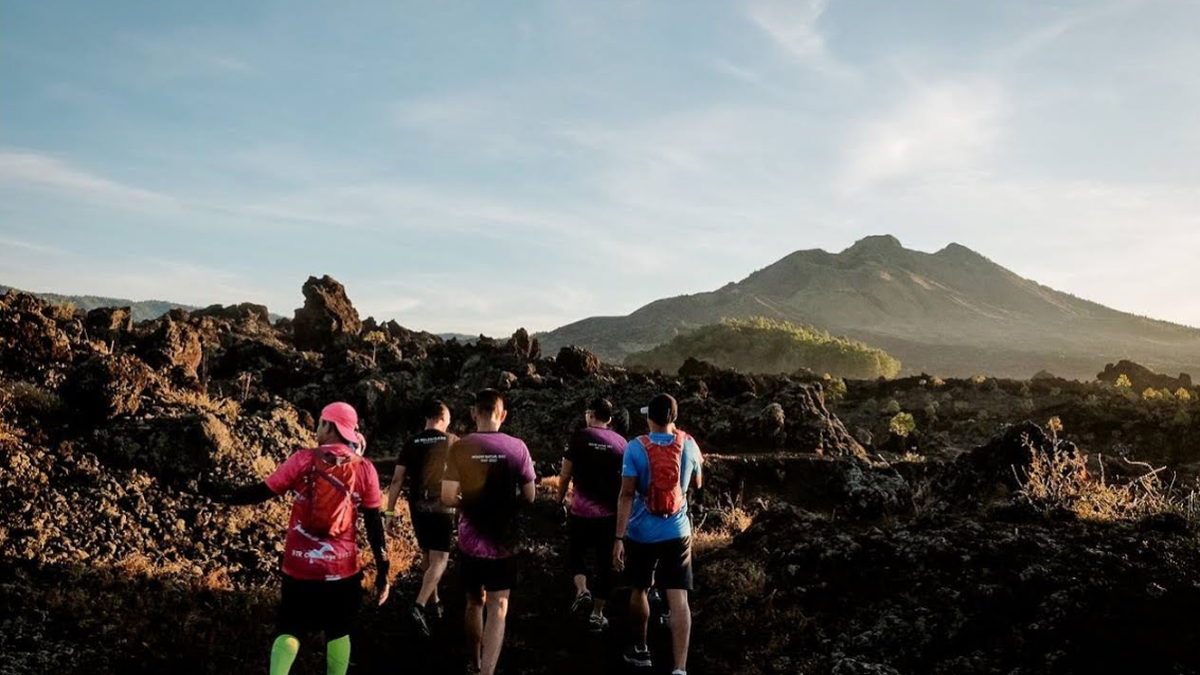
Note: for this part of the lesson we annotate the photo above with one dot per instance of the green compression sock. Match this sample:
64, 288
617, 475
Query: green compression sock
283, 654
337, 656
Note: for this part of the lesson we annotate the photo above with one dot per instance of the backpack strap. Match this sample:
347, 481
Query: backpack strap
646, 442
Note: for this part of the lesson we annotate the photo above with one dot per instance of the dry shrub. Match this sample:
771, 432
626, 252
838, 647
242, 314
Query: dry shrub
717, 527
30, 398
1058, 481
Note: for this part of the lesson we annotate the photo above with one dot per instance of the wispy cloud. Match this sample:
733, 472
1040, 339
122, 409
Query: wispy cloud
7, 242
183, 57
20, 170
1053, 29
938, 127
793, 28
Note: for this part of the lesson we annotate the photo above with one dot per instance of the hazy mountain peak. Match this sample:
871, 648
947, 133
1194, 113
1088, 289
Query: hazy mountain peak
954, 312
879, 243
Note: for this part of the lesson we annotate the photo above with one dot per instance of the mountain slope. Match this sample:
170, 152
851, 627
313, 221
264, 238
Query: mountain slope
953, 312
142, 310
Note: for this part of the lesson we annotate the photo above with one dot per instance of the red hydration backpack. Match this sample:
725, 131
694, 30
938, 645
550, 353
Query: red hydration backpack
329, 485
665, 496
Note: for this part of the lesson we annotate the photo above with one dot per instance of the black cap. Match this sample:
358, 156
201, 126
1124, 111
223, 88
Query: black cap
602, 409
663, 410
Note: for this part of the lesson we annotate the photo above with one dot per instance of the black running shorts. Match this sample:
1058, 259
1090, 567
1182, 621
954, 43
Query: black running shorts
326, 606
435, 531
663, 564
487, 574
593, 537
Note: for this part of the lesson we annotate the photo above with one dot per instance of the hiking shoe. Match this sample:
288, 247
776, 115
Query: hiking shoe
582, 605
597, 623
418, 617
638, 657
436, 609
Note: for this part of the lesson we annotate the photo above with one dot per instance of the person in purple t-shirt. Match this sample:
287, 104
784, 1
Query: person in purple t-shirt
593, 463
489, 477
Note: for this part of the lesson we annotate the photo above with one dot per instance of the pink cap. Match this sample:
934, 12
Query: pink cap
343, 416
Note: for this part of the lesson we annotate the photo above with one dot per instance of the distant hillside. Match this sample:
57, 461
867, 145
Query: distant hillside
953, 312
142, 310
463, 338
765, 346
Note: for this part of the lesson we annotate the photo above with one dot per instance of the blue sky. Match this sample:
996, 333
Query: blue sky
482, 166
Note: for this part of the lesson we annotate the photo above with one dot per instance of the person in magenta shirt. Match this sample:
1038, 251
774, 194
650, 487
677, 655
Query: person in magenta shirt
592, 463
489, 477
322, 576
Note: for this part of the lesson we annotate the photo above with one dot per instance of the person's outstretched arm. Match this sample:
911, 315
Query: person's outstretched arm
246, 495
373, 522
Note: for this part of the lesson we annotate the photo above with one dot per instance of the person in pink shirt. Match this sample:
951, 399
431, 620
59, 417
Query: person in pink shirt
322, 577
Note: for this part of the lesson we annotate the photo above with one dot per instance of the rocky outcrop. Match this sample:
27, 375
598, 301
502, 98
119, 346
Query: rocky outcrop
577, 362
109, 324
939, 595
995, 470
174, 347
327, 318
855, 489
525, 347
103, 387
1143, 378
30, 338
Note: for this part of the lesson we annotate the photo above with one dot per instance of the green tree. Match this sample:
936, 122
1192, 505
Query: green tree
760, 345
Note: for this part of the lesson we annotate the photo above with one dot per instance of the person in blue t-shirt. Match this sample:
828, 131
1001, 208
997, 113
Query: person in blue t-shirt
654, 540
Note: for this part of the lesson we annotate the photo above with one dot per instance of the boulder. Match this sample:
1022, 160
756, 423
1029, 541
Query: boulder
104, 387
995, 469
577, 362
812, 428
30, 340
174, 347
327, 319
245, 318
109, 324
1142, 377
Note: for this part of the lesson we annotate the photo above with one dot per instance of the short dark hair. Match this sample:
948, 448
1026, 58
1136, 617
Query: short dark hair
602, 409
433, 408
663, 410
489, 401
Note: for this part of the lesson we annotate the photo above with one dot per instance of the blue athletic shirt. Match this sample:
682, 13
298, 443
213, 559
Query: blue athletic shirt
645, 527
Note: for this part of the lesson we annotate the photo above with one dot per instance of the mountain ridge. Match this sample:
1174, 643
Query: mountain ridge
952, 312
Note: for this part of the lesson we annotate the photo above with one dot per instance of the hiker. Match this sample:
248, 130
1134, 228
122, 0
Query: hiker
489, 476
592, 464
322, 580
423, 460
653, 539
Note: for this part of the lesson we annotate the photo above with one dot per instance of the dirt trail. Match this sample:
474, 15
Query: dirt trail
542, 636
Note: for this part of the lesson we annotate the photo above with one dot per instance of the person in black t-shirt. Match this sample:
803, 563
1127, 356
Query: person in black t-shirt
423, 461
592, 464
